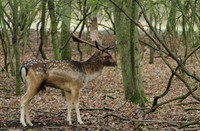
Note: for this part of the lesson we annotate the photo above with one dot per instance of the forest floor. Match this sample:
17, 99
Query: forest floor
102, 103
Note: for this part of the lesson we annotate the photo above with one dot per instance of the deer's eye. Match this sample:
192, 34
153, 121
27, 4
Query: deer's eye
107, 57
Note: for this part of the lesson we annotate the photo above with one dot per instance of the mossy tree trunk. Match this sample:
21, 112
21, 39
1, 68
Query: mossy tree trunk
127, 37
54, 32
65, 29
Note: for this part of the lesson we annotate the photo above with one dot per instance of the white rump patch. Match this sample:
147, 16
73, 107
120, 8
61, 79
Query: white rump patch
23, 74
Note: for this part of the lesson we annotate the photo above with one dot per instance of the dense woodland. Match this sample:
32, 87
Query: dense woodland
155, 85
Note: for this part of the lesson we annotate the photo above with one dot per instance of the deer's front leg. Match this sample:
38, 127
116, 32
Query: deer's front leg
69, 106
75, 95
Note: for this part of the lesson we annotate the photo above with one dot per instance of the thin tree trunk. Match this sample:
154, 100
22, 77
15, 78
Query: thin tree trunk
7, 41
42, 29
171, 21
14, 7
4, 47
151, 57
171, 26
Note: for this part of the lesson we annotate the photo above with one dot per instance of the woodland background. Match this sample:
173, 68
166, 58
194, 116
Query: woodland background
154, 87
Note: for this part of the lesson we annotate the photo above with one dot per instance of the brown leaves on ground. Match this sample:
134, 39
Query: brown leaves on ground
102, 103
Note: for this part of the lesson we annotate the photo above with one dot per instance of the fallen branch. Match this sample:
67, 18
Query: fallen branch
87, 109
153, 108
174, 123
189, 109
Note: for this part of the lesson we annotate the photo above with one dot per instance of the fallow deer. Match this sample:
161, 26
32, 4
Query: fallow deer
69, 76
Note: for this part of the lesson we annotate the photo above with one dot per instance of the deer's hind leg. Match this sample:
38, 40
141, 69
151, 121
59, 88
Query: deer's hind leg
25, 106
32, 90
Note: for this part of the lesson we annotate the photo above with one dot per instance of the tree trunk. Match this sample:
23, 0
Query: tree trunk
16, 44
127, 37
151, 55
54, 33
171, 26
171, 21
65, 29
42, 29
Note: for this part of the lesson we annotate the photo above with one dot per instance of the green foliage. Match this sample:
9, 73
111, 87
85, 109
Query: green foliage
92, 2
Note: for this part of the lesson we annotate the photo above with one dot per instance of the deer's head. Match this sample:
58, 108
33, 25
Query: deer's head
105, 58
102, 55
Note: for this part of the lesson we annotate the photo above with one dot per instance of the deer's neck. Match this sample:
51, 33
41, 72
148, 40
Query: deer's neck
92, 68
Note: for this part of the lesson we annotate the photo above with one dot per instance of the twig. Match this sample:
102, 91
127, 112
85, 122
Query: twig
109, 96
188, 103
8, 107
189, 124
100, 109
121, 106
120, 117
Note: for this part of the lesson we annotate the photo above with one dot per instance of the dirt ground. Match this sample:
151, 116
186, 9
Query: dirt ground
102, 103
